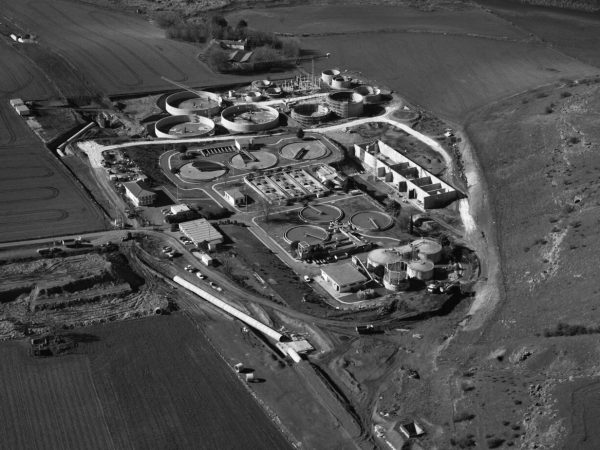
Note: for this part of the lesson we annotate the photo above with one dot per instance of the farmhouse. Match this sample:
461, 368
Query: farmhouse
234, 197
200, 231
405, 175
343, 277
138, 194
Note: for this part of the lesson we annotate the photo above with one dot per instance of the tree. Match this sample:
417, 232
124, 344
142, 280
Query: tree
266, 208
300, 133
181, 147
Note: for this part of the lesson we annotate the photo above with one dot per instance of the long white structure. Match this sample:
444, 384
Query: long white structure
250, 321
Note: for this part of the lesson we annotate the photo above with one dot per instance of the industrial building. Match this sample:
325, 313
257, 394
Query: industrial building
200, 231
345, 104
405, 175
138, 194
343, 277
327, 173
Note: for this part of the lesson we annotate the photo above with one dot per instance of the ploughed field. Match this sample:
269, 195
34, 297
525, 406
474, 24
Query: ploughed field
149, 383
37, 196
117, 53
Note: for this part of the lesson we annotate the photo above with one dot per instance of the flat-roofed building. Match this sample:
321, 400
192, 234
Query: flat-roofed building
343, 277
138, 194
200, 231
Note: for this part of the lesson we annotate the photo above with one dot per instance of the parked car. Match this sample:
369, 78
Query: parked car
215, 286
199, 275
188, 268
307, 278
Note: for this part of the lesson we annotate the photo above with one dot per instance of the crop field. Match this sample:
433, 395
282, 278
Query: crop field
332, 19
150, 383
37, 196
118, 53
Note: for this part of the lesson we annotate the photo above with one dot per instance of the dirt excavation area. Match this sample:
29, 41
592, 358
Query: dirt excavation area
40, 295
529, 379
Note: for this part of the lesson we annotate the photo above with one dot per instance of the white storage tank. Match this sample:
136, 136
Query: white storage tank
382, 257
428, 249
327, 75
420, 269
395, 277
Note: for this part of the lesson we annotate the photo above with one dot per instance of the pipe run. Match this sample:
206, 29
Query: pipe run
250, 321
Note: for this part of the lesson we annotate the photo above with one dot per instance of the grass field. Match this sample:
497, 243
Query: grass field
150, 383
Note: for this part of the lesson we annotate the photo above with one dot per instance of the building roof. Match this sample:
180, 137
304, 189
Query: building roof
200, 230
344, 274
137, 189
234, 193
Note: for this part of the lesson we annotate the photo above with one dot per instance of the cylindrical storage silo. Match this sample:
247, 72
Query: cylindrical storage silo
327, 75
253, 96
428, 249
420, 269
310, 114
382, 257
345, 104
371, 94
341, 82
395, 277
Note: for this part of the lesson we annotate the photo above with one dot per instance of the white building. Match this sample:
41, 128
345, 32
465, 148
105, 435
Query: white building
200, 231
179, 208
138, 194
234, 197
343, 277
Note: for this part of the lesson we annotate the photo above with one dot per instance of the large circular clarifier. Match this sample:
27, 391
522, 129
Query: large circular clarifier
371, 221
311, 234
201, 103
322, 213
249, 117
184, 126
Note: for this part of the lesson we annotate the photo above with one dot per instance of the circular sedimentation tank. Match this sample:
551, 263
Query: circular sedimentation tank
249, 117
341, 82
327, 75
371, 94
304, 150
253, 96
428, 249
322, 213
383, 256
261, 160
199, 171
345, 103
183, 126
310, 114
420, 269
201, 103
366, 221
311, 234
